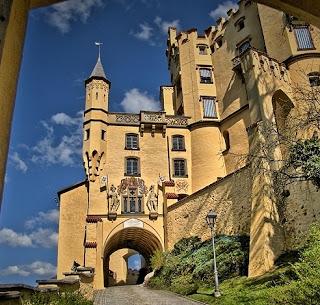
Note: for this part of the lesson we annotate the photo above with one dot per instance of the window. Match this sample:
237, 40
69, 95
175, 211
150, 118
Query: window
226, 138
132, 202
97, 95
132, 141
87, 134
209, 107
314, 79
303, 37
219, 41
179, 167
132, 166
202, 49
239, 24
244, 46
178, 142
103, 134
180, 110
205, 76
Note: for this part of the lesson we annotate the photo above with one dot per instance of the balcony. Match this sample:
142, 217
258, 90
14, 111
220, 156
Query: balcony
154, 121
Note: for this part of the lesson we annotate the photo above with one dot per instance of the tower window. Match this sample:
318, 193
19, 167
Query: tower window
103, 134
303, 37
203, 49
226, 138
87, 134
178, 142
314, 79
209, 107
180, 167
97, 95
244, 46
239, 24
132, 141
219, 41
132, 166
205, 76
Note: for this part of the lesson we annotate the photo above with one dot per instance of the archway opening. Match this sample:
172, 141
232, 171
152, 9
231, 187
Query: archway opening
127, 256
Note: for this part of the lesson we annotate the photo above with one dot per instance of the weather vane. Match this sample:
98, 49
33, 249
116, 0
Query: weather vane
99, 44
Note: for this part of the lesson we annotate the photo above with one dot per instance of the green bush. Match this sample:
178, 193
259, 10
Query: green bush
184, 285
65, 298
302, 283
191, 262
158, 260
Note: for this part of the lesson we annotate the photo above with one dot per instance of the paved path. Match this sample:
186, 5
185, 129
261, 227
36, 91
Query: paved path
137, 295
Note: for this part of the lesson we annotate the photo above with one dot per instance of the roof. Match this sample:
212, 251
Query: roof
98, 70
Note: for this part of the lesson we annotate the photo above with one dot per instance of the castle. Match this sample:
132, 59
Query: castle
152, 177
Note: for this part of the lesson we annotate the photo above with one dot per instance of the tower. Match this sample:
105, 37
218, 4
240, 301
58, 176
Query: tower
95, 117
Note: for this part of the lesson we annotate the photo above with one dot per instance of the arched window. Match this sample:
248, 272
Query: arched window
226, 138
97, 95
178, 142
132, 141
132, 166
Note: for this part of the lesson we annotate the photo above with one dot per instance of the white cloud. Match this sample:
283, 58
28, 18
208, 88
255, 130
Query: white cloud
221, 10
65, 120
51, 216
37, 268
61, 15
164, 25
145, 32
46, 238
67, 150
15, 270
134, 101
18, 163
13, 239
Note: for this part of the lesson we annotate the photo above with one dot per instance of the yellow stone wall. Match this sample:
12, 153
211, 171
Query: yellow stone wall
72, 225
228, 197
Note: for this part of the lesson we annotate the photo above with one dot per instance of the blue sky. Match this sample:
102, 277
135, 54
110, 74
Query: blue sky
45, 149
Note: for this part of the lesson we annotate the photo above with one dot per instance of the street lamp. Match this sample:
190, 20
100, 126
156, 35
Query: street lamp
211, 219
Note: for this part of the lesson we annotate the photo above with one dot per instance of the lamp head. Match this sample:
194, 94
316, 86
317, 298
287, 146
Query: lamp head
211, 218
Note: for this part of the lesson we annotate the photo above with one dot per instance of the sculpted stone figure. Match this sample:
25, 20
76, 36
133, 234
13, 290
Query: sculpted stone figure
114, 201
152, 202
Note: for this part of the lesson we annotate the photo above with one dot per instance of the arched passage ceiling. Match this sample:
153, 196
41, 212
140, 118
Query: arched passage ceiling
137, 239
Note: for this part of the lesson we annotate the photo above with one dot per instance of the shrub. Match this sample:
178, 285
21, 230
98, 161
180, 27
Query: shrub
302, 283
158, 260
184, 285
65, 298
191, 262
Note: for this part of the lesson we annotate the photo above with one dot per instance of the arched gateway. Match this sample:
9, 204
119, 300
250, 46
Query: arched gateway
138, 240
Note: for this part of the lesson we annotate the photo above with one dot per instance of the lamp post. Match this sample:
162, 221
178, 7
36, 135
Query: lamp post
211, 219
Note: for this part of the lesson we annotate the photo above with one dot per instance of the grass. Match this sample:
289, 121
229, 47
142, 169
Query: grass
243, 290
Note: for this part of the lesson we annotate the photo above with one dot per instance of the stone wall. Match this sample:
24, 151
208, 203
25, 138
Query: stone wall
302, 208
229, 197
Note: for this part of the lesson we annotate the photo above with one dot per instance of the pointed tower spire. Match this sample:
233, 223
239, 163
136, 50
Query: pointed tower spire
98, 71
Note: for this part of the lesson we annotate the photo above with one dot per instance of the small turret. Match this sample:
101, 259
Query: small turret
95, 118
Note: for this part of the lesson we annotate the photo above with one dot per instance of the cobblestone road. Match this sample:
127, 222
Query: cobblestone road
136, 295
